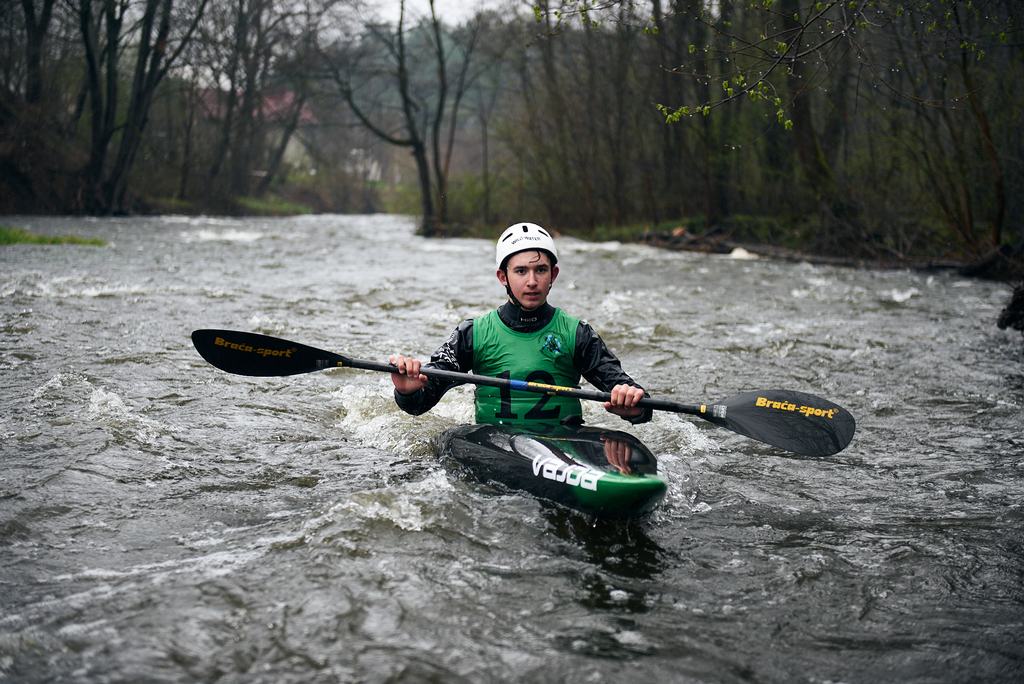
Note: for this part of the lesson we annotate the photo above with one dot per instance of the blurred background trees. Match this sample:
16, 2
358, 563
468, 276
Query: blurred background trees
879, 130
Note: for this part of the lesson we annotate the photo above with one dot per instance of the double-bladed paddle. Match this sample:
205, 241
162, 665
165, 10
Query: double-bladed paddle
797, 422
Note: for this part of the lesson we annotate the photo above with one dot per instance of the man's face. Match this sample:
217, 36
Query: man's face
529, 275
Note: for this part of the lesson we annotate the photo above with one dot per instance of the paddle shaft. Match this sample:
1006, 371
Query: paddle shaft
536, 387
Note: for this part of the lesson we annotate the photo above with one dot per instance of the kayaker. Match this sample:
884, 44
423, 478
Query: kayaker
524, 339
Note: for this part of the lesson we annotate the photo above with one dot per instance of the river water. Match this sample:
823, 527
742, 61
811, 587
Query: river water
161, 520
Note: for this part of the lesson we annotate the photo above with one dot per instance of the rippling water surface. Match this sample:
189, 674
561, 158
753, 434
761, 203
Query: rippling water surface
163, 521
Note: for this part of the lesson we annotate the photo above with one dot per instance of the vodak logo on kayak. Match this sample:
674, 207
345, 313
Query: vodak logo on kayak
551, 468
789, 406
262, 351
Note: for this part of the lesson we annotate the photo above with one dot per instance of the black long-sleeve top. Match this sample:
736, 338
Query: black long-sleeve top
592, 359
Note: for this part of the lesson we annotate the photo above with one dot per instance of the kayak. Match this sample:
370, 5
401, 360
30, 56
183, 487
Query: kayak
602, 472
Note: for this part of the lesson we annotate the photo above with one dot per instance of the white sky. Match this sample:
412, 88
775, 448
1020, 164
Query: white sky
451, 11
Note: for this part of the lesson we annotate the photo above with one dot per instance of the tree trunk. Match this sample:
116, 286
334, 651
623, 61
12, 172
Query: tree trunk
244, 142
440, 177
274, 164
185, 171
35, 37
806, 139
988, 145
485, 169
429, 226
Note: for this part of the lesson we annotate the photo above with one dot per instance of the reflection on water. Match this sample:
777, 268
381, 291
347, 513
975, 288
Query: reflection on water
161, 520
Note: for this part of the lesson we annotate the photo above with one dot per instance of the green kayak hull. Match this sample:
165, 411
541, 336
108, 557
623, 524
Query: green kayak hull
602, 472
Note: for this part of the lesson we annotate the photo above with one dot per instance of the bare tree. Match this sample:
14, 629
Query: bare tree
384, 79
156, 49
490, 87
346, 64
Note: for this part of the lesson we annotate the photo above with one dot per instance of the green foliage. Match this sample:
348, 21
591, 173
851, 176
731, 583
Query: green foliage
271, 206
14, 236
171, 205
402, 198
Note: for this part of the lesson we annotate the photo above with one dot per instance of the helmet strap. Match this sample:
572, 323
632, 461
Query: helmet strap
508, 289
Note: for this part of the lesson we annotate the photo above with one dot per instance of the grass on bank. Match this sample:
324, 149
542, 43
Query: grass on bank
170, 205
271, 206
16, 236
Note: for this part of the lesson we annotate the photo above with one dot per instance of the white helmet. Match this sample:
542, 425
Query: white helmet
520, 237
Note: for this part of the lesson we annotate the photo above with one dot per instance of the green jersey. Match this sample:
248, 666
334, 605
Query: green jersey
544, 356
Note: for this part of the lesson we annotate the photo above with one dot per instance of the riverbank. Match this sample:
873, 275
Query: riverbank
766, 237
1004, 264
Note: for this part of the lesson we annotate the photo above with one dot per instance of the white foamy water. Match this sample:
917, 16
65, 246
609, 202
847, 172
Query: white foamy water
87, 286
227, 235
900, 296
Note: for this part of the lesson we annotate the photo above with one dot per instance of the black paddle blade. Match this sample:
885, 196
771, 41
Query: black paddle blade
794, 421
246, 353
